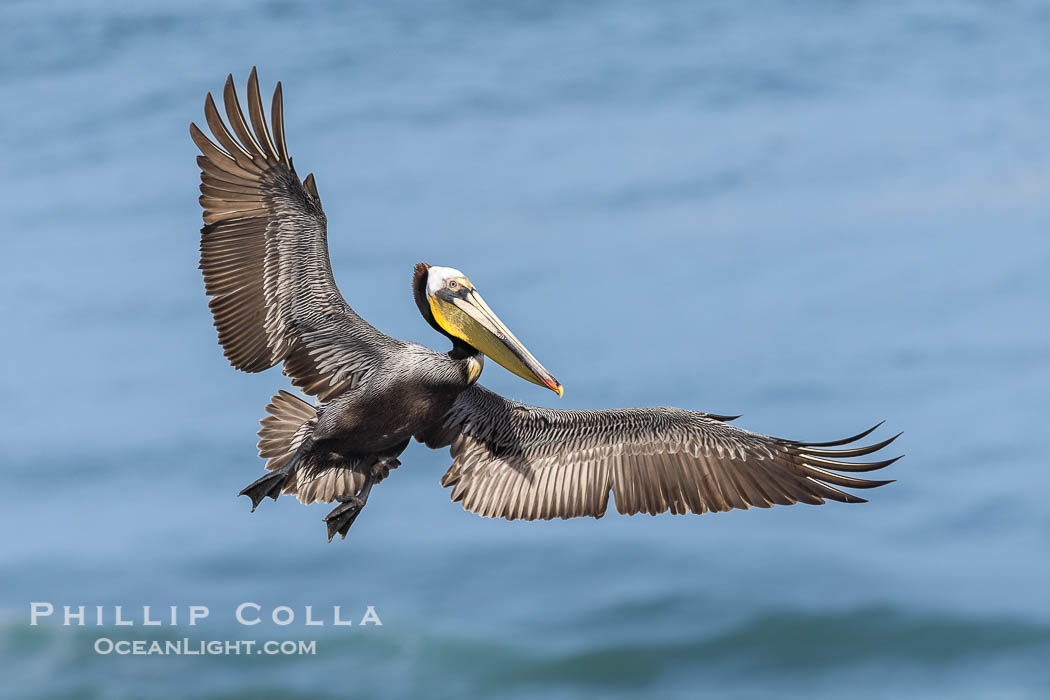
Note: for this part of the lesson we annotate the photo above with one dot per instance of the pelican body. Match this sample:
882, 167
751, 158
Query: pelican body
264, 257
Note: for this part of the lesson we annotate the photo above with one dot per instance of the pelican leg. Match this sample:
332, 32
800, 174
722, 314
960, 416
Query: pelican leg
269, 484
344, 515
272, 483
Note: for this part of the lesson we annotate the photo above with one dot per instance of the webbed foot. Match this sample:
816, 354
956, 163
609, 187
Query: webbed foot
269, 484
343, 516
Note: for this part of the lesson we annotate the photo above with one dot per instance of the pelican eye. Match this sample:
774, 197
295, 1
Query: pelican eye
453, 284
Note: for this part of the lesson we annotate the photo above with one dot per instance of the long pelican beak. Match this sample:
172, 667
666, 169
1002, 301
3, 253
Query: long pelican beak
462, 312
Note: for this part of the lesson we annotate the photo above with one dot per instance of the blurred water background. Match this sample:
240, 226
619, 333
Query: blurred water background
818, 215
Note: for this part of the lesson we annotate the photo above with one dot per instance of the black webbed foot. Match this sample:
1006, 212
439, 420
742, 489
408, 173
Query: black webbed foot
344, 515
269, 484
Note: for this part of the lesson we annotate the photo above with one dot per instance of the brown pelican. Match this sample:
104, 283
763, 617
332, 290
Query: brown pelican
264, 256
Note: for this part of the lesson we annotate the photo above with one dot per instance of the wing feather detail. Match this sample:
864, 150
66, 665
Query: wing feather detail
264, 255
522, 462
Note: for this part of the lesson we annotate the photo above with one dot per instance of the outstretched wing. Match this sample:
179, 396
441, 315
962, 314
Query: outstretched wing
522, 462
264, 255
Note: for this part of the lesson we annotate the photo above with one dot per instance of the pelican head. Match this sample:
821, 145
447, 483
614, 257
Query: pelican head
450, 303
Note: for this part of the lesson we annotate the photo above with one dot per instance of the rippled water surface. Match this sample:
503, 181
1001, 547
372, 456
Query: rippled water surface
819, 217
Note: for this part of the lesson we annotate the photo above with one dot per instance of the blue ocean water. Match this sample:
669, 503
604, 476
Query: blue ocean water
819, 215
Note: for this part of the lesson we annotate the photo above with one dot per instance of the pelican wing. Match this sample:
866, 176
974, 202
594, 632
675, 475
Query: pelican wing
264, 255
522, 462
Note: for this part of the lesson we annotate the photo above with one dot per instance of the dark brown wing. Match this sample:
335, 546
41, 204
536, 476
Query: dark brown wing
264, 255
521, 462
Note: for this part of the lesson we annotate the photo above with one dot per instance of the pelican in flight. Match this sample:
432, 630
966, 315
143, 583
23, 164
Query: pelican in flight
264, 256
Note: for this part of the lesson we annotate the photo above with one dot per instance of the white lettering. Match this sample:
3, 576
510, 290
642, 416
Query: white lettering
38, 610
287, 616
239, 613
338, 620
198, 612
146, 620
78, 615
118, 620
370, 616
310, 621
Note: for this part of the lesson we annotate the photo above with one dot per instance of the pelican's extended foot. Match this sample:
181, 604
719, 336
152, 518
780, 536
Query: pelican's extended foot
344, 515
269, 484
